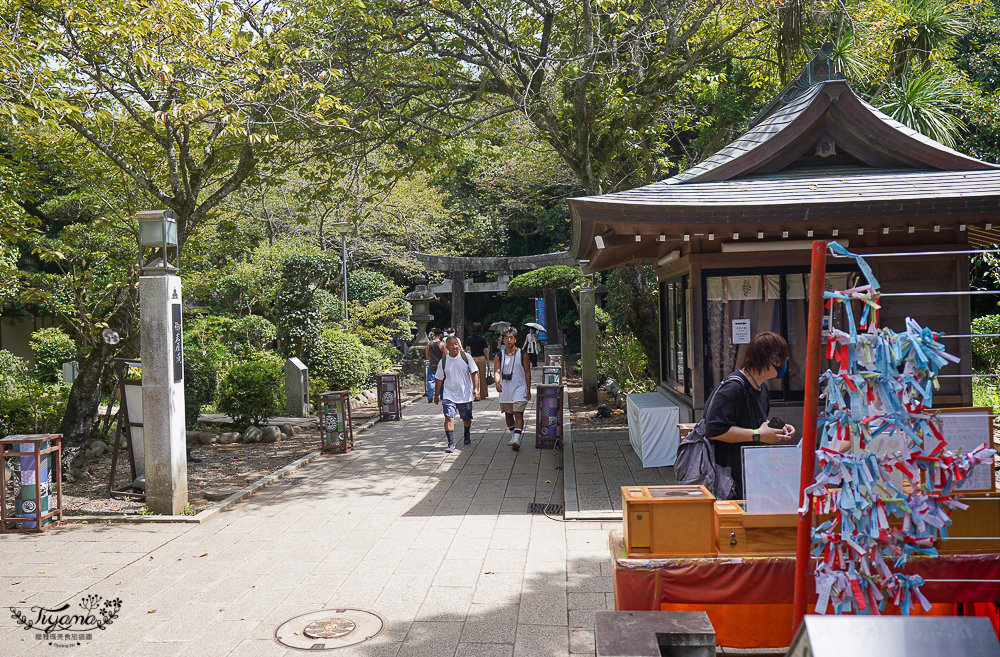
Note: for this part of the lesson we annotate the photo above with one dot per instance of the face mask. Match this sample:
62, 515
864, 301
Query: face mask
781, 371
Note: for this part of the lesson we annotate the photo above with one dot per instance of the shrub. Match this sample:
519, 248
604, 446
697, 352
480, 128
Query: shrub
389, 353
199, 384
366, 286
251, 393
32, 407
249, 334
344, 363
13, 370
986, 351
331, 308
51, 347
620, 356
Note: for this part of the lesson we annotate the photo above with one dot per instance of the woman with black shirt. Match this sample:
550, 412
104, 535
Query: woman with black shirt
737, 412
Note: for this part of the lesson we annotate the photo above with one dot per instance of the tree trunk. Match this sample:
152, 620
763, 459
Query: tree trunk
642, 317
81, 409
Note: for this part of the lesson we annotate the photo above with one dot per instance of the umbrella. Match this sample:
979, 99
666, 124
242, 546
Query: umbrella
499, 326
535, 325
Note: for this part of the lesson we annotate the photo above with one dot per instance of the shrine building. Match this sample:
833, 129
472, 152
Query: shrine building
730, 238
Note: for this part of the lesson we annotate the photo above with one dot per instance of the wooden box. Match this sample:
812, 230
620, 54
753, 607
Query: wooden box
975, 530
668, 521
738, 533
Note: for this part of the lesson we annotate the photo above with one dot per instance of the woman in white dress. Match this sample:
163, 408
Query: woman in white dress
512, 376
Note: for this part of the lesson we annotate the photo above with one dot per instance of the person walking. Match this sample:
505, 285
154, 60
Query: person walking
479, 348
457, 387
530, 346
433, 353
512, 376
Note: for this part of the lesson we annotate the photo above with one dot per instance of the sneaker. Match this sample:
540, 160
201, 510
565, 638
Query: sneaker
450, 448
515, 445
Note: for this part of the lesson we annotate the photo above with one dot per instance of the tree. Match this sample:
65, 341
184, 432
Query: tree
184, 97
536, 281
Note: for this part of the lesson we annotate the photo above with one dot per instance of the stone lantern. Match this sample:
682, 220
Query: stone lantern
420, 298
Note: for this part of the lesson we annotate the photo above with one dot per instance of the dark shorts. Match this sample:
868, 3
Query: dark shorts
451, 409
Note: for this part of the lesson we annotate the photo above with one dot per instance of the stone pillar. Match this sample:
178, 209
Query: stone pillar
458, 304
296, 388
588, 345
164, 435
553, 337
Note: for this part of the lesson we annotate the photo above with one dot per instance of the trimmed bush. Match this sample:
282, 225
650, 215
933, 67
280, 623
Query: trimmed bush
366, 286
344, 363
51, 347
251, 393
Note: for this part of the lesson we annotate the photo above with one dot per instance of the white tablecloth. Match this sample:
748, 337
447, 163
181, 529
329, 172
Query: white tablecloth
652, 428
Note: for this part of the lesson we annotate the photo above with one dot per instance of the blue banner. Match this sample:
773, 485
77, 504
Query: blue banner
540, 316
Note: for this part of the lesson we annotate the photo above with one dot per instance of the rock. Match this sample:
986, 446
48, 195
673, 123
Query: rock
270, 434
296, 430
98, 447
95, 432
124, 445
192, 437
603, 411
220, 492
140, 482
229, 437
207, 438
252, 435
287, 429
6, 471
89, 454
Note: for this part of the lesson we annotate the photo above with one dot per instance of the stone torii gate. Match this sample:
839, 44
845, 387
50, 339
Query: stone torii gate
457, 267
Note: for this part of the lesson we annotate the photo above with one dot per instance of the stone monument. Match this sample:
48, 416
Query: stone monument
162, 364
296, 388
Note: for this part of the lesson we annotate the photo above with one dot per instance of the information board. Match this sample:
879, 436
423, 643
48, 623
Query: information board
741, 331
966, 429
771, 478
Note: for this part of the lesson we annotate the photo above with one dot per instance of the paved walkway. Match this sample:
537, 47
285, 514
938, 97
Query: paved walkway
439, 544
598, 463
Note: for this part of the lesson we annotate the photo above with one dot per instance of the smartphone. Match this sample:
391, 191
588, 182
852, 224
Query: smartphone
776, 423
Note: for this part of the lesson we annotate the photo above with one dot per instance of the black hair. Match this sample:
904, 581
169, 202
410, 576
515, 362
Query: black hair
477, 328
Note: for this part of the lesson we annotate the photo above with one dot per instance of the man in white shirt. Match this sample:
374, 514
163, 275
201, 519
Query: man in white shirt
457, 387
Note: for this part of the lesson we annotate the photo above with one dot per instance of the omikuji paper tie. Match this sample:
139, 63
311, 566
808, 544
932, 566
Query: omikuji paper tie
885, 383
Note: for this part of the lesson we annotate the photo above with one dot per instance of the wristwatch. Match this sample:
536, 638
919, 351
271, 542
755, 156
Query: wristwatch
756, 435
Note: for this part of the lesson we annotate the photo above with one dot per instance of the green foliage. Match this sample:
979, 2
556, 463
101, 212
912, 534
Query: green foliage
331, 308
252, 284
536, 281
250, 334
928, 103
200, 379
620, 356
380, 321
251, 393
986, 351
13, 370
388, 352
295, 305
51, 347
29, 406
366, 286
344, 363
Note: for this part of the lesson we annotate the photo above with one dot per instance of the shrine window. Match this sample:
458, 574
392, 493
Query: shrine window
741, 303
675, 322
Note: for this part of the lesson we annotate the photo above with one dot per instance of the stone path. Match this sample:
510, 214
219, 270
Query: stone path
598, 463
441, 545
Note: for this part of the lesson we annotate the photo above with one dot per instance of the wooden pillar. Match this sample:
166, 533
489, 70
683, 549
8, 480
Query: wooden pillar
458, 304
588, 345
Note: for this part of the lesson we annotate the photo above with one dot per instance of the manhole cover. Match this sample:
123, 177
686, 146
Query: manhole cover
330, 629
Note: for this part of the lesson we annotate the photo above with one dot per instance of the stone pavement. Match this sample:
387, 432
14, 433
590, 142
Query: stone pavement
439, 544
599, 462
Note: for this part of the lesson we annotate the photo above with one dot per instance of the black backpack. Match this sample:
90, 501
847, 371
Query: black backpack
695, 463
